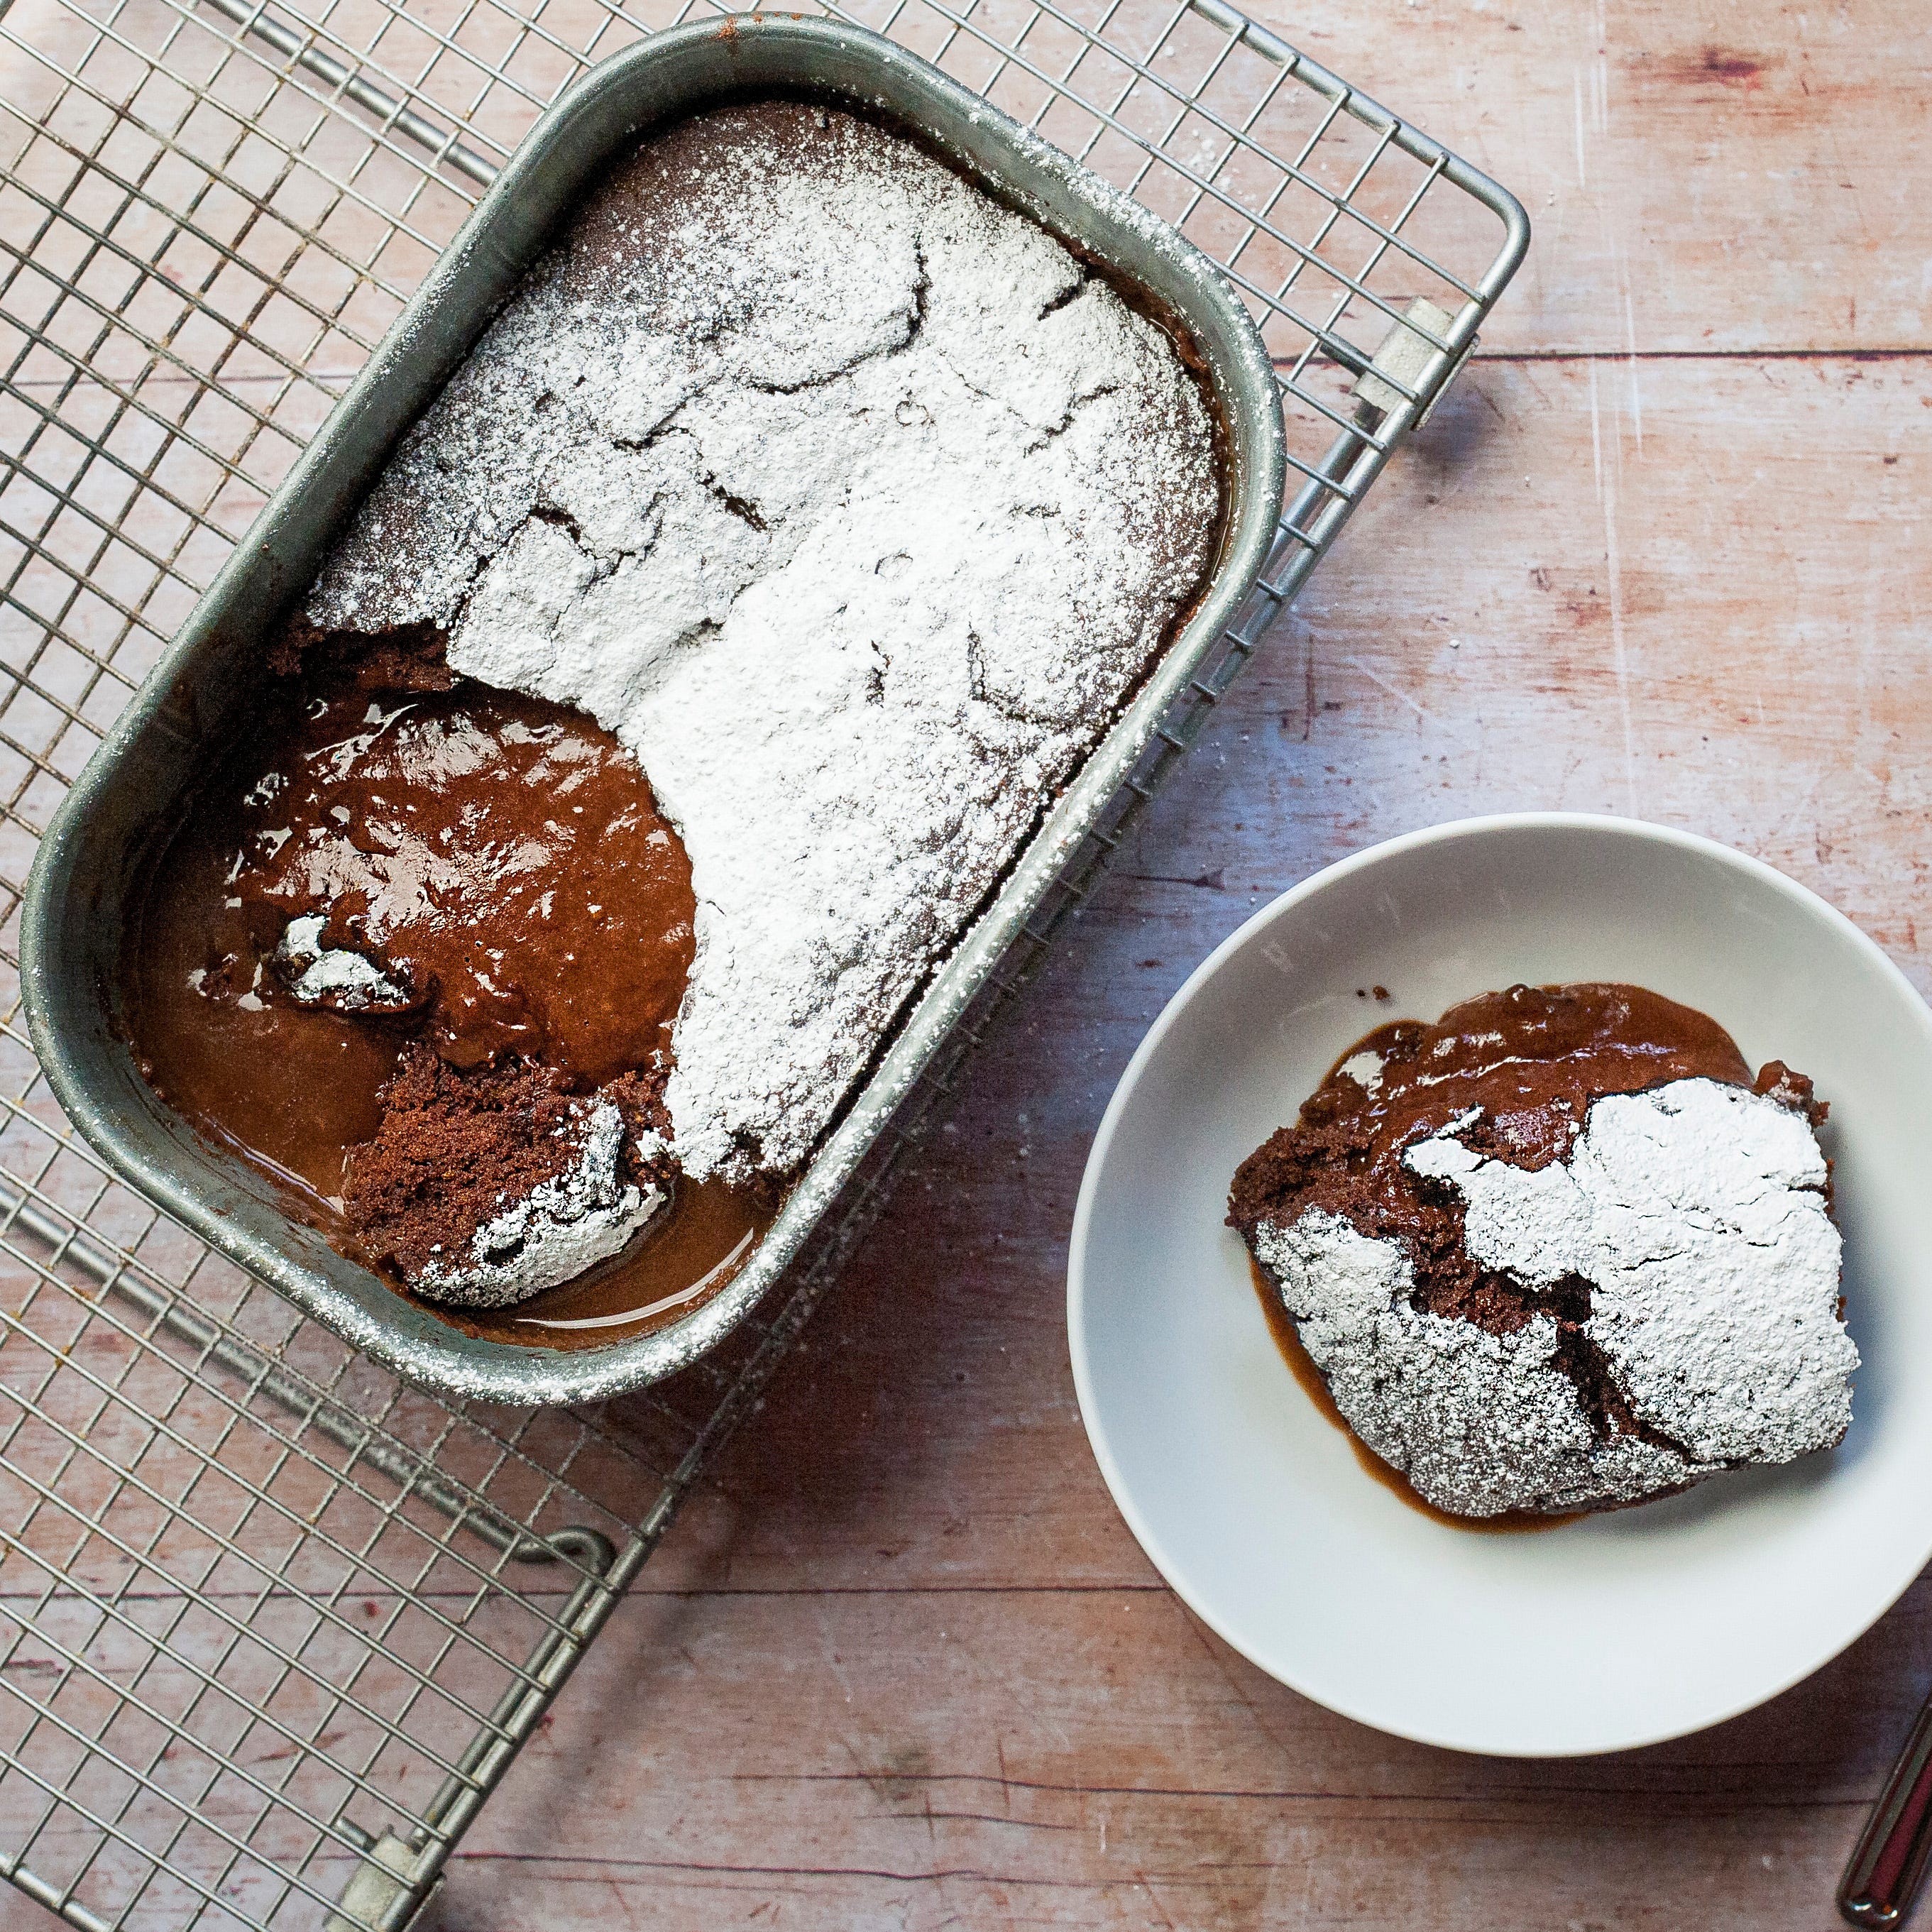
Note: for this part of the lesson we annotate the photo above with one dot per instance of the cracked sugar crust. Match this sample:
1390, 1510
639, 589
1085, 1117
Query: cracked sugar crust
1694, 1212
854, 506
1479, 1424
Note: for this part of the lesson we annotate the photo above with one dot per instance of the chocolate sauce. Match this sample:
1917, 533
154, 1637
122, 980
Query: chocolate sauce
501, 862
499, 858
686, 1254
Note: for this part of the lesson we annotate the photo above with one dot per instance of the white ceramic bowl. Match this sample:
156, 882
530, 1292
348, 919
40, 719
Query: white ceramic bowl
1612, 1631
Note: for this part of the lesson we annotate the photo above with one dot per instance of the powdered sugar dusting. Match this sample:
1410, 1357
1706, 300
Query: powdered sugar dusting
1695, 1213
853, 507
1479, 1423
333, 976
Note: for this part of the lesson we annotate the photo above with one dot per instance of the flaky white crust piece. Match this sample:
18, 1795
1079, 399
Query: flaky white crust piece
551, 1235
854, 506
1696, 1214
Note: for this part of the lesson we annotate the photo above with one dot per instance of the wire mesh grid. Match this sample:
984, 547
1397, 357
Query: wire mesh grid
272, 1624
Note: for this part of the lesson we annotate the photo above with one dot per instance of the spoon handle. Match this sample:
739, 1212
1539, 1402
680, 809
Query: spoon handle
1883, 1877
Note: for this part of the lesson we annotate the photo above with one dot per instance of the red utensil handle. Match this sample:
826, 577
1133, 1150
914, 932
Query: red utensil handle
1883, 1877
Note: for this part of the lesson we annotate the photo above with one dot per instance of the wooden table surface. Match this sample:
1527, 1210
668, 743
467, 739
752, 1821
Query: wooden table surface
903, 1667
1660, 555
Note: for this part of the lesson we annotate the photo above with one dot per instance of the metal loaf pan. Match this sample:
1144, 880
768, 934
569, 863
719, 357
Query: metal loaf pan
133, 790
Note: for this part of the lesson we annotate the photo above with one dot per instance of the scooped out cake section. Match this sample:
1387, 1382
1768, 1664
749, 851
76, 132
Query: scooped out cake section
1558, 1251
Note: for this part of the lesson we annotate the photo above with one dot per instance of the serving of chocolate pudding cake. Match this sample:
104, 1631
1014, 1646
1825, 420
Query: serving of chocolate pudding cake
1560, 1251
681, 690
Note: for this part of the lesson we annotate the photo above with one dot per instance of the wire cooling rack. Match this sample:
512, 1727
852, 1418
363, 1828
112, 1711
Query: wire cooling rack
273, 1624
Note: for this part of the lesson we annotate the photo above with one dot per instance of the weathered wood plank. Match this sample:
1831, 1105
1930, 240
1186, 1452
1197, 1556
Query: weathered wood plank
1095, 1760
1711, 177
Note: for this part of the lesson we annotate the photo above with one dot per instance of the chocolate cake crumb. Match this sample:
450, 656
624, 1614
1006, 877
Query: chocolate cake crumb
454, 1147
1778, 1082
402, 658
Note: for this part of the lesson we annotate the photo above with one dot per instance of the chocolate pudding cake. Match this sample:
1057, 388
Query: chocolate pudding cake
1559, 1251
679, 694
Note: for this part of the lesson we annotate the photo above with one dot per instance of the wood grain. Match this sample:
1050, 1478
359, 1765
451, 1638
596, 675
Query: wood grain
1708, 177
1661, 554
979, 1756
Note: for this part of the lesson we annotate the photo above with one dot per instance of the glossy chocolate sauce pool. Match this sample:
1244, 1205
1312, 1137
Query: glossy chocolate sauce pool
502, 862
1531, 1058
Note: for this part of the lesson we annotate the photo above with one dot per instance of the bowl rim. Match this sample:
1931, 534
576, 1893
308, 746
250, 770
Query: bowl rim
1635, 832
